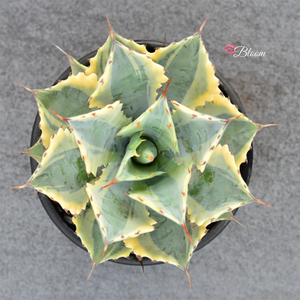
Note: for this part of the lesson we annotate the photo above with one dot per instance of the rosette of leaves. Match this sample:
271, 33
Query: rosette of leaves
142, 163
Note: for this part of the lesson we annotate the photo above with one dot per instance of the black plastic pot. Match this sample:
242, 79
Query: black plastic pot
63, 220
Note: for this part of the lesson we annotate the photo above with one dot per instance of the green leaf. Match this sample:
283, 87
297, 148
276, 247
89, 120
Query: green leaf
219, 189
239, 133
61, 174
130, 170
99, 61
197, 134
166, 193
193, 80
68, 98
117, 214
49, 125
88, 230
168, 242
36, 151
131, 77
95, 134
130, 44
156, 123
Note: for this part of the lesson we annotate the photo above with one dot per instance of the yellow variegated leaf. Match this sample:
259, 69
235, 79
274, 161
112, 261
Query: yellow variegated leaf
131, 77
168, 242
117, 214
239, 133
61, 174
87, 228
99, 61
218, 189
193, 75
68, 98
95, 134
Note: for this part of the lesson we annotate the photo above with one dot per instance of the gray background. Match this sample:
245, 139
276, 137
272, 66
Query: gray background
260, 262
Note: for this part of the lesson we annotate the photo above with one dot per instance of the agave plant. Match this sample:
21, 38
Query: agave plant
142, 149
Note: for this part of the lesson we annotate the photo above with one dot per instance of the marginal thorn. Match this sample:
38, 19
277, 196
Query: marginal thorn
188, 276
235, 220
34, 194
232, 218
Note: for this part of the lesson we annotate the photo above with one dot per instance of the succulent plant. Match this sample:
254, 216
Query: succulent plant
142, 149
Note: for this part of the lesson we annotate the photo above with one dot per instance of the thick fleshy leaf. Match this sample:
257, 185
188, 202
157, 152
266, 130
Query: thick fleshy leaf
76, 67
99, 61
219, 189
36, 151
168, 242
130, 44
157, 124
95, 134
61, 174
49, 125
118, 215
129, 170
193, 79
197, 134
88, 230
239, 133
131, 77
166, 193
68, 99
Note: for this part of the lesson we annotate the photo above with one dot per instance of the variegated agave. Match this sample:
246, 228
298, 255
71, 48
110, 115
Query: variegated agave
143, 163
